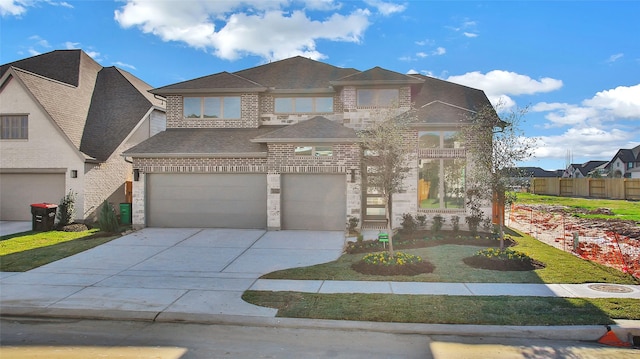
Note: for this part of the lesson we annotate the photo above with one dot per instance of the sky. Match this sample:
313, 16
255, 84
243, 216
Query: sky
575, 65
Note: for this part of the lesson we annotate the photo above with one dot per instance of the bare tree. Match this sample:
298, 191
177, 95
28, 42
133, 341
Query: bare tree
496, 144
386, 152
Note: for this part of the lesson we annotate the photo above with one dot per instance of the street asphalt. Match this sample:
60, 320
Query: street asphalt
199, 275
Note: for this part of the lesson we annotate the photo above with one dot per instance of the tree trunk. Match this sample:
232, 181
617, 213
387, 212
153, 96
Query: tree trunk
389, 230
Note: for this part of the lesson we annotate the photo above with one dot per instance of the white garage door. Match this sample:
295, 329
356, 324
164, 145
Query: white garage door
313, 202
19, 190
207, 200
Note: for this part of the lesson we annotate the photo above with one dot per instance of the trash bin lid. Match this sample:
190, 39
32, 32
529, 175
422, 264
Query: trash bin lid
44, 205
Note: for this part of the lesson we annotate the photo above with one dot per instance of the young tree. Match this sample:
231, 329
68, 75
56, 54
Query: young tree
496, 143
386, 150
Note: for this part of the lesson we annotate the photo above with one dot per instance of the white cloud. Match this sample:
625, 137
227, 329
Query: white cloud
589, 143
622, 101
14, 7
499, 85
19, 7
69, 45
122, 64
386, 8
439, 51
470, 34
38, 41
270, 29
615, 57
422, 55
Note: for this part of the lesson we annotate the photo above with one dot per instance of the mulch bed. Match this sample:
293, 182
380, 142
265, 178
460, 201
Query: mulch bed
406, 269
425, 238
482, 262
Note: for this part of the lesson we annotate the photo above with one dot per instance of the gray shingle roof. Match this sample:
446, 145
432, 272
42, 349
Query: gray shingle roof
316, 129
188, 142
95, 107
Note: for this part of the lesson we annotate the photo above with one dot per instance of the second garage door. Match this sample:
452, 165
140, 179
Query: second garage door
313, 202
207, 200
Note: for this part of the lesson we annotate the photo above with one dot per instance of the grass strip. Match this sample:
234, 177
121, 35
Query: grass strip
25, 252
621, 209
439, 309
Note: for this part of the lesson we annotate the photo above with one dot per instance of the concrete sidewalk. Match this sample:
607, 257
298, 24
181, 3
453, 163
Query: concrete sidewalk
199, 275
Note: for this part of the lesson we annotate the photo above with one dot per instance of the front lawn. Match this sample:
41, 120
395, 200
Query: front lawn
561, 267
586, 207
21, 252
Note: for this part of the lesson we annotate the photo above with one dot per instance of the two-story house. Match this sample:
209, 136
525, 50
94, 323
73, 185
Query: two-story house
587, 169
624, 162
275, 146
64, 122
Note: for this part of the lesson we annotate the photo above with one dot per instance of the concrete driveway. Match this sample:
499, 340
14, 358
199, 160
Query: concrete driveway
11, 227
170, 272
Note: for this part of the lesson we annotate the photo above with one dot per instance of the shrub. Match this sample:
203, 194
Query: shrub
438, 221
503, 254
422, 219
66, 209
455, 222
353, 224
107, 218
408, 223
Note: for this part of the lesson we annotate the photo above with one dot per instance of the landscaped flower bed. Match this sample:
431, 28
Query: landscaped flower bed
382, 263
502, 259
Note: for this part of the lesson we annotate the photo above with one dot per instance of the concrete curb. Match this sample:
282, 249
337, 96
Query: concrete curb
623, 329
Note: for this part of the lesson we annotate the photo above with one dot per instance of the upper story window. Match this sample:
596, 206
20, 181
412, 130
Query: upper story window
14, 127
439, 139
378, 97
304, 104
315, 151
212, 107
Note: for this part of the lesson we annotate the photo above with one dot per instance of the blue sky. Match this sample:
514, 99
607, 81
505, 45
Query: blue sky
576, 64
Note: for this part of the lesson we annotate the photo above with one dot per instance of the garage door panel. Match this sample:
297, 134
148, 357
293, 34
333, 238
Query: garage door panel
207, 200
313, 202
19, 190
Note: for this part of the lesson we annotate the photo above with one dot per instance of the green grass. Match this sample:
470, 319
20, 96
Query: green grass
621, 209
561, 267
447, 309
24, 251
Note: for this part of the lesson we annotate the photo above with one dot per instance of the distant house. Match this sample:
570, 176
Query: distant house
275, 146
587, 169
624, 161
64, 122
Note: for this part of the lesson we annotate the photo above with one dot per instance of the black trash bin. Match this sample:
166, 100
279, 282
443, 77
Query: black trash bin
43, 216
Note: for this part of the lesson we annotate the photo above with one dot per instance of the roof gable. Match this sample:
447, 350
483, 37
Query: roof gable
316, 129
96, 112
377, 76
116, 108
59, 65
441, 113
220, 82
295, 73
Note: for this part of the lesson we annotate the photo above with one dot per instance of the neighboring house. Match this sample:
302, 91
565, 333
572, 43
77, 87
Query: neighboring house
64, 122
275, 146
587, 169
623, 162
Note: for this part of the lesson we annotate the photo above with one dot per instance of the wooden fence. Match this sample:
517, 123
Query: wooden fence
612, 188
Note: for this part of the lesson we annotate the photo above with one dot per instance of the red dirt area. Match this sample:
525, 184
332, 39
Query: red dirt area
611, 242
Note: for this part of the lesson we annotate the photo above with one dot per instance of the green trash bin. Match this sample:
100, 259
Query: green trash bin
125, 213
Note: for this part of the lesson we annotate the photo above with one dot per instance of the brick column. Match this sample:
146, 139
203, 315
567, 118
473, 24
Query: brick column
137, 207
273, 202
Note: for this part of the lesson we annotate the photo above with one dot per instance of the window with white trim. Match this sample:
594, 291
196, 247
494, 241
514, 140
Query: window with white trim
14, 127
227, 107
304, 104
